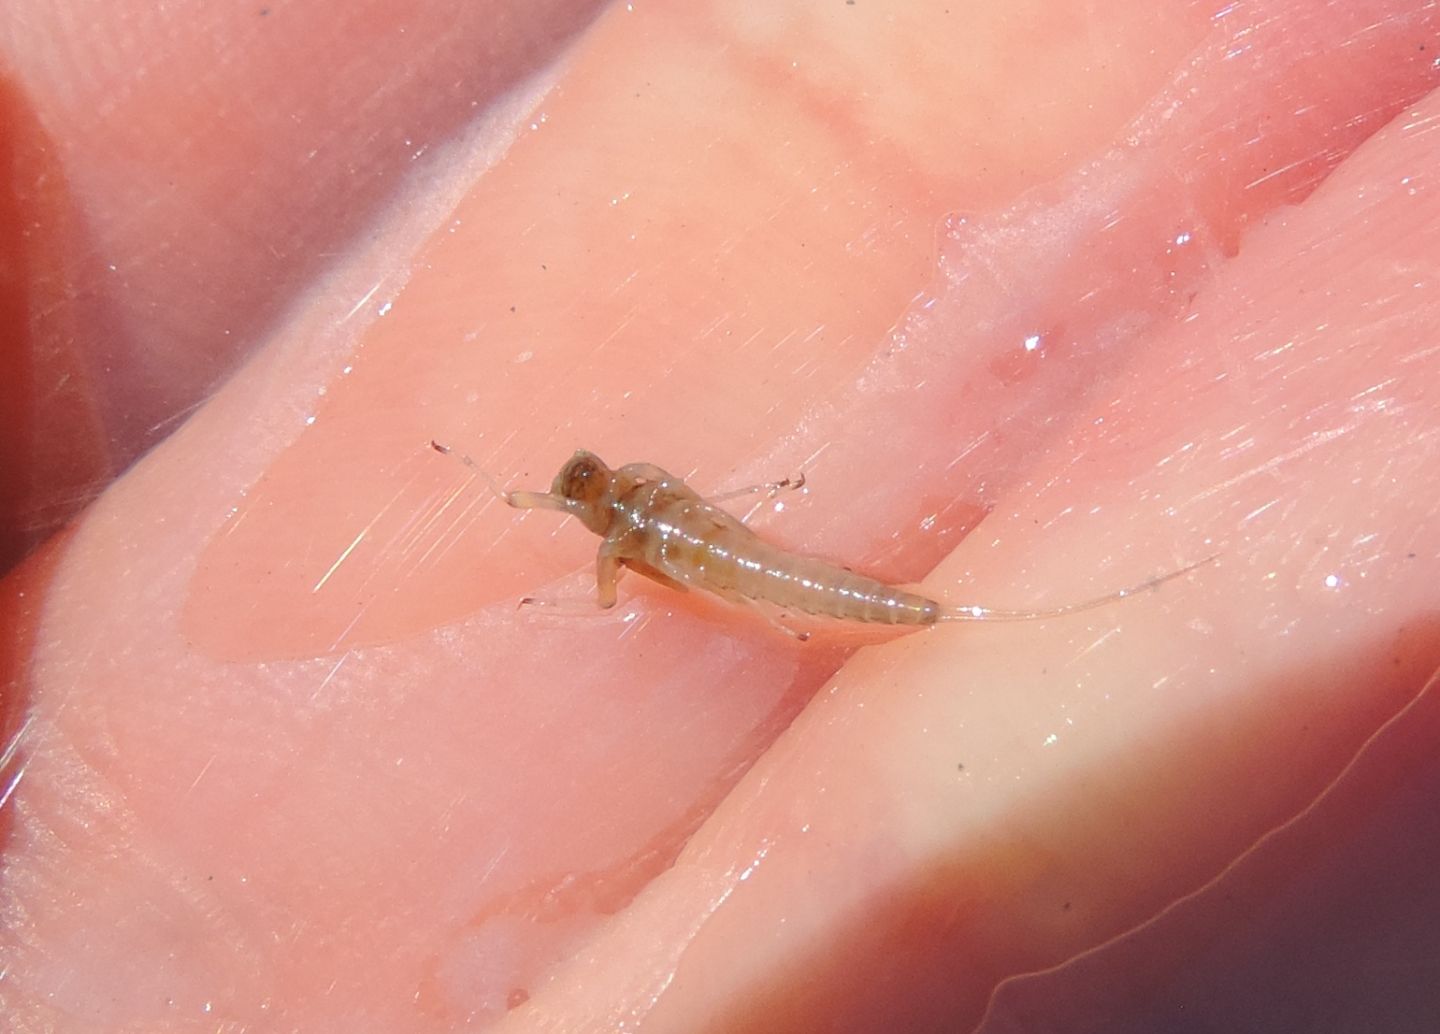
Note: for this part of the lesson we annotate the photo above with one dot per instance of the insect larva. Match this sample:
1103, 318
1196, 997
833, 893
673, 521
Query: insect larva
654, 524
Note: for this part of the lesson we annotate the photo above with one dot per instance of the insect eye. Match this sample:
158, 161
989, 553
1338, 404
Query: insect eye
580, 479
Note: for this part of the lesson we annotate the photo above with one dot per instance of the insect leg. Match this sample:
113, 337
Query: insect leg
565, 607
607, 573
774, 488
778, 623
571, 606
654, 574
800, 635
766, 611
609, 566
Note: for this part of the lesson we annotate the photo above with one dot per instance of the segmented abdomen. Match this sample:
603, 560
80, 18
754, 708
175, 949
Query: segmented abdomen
707, 548
813, 586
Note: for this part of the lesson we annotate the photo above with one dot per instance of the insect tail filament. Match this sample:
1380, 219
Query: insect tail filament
977, 612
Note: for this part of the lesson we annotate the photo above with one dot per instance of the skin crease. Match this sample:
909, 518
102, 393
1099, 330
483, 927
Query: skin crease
244, 806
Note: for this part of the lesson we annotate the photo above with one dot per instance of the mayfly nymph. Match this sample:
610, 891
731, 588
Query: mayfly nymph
653, 523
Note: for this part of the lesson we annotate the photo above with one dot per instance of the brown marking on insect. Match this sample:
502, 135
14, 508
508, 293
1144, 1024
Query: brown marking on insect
653, 523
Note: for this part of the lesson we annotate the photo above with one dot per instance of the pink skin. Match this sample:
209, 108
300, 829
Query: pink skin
292, 759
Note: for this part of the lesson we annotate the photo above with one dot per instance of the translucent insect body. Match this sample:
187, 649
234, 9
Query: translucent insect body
656, 525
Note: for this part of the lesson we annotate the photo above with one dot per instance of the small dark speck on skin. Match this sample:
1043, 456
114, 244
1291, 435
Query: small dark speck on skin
1065, 907
1409, 556
960, 767
264, 11
512, 308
